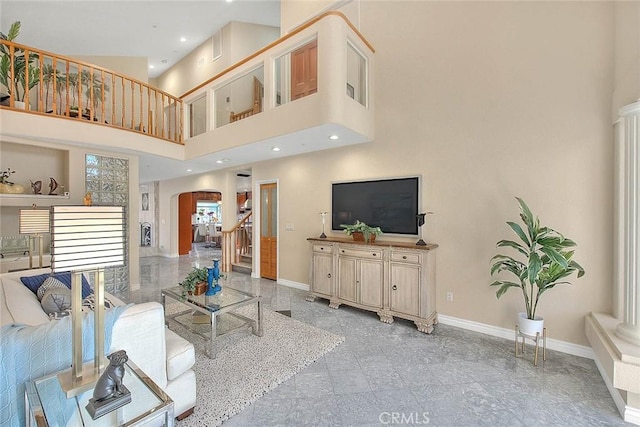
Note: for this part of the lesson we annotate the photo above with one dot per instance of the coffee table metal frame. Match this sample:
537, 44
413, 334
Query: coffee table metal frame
226, 301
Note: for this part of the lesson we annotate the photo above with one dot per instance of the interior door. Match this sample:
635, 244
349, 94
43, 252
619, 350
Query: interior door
268, 231
185, 233
304, 70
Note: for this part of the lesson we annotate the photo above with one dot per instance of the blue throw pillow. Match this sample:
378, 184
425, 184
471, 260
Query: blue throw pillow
34, 282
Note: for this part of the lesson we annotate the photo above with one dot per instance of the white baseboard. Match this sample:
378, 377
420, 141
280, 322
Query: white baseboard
552, 344
615, 394
292, 284
632, 415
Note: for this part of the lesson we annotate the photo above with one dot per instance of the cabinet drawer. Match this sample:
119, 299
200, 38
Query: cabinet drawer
322, 248
410, 257
359, 253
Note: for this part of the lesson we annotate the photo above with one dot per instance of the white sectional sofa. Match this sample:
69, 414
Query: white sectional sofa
140, 330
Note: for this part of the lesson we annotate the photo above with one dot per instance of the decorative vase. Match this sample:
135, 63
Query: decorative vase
213, 276
530, 327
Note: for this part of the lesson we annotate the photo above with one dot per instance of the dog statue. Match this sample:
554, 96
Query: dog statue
110, 383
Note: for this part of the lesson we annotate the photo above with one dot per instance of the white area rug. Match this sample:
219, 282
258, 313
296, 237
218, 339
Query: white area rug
246, 366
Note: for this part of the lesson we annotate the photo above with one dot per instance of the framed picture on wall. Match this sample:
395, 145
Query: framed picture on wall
350, 91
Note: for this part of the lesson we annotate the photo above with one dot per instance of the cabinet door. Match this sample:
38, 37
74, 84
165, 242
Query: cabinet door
370, 282
405, 288
347, 279
322, 274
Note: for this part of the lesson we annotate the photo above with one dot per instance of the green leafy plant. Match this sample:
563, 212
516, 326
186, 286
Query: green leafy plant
361, 227
547, 259
194, 277
22, 68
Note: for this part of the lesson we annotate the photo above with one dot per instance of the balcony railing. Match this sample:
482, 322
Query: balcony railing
45, 83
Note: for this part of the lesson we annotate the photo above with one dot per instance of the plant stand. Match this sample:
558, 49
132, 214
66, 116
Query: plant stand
536, 340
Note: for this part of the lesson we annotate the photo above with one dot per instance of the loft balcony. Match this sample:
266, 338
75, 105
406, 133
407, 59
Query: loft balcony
313, 83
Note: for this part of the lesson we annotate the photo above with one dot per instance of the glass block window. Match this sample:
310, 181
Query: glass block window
107, 178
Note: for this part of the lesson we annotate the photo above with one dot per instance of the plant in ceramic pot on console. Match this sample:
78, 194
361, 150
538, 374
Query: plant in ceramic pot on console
545, 258
361, 231
196, 281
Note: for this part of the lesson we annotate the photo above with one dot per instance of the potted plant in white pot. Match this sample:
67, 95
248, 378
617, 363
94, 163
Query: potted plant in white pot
545, 259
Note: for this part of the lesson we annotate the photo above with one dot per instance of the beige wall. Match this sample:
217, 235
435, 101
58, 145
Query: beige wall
486, 101
199, 66
627, 54
131, 66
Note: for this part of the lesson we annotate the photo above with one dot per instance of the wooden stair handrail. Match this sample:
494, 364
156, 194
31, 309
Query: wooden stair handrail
87, 91
230, 250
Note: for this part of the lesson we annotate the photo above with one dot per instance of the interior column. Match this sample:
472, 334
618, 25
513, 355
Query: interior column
629, 329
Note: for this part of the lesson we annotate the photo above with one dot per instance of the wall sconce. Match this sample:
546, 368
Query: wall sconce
85, 238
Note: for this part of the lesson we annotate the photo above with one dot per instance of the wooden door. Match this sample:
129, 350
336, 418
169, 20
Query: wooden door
268, 231
185, 232
304, 70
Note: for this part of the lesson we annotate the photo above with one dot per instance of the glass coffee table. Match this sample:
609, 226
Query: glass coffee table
225, 302
46, 404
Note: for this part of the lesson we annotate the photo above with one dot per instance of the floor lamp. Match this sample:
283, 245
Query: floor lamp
34, 222
86, 238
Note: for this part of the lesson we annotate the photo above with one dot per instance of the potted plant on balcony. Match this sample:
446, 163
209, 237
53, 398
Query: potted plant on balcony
196, 281
546, 258
22, 68
361, 231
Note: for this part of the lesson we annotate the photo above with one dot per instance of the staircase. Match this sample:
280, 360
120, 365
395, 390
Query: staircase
237, 247
245, 265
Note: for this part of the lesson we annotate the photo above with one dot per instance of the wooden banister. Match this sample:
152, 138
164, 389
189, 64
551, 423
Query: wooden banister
86, 88
235, 242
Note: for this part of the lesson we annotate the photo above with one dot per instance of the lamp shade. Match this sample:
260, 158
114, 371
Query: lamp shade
86, 237
34, 221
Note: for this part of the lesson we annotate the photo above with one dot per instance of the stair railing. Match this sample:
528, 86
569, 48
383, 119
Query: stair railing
40, 82
236, 242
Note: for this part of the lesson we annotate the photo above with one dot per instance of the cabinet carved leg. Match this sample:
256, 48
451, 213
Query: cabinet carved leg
424, 326
435, 320
311, 298
334, 304
385, 316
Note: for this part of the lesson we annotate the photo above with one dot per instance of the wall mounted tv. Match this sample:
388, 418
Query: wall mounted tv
391, 204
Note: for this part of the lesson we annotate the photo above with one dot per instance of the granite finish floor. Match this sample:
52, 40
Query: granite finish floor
393, 375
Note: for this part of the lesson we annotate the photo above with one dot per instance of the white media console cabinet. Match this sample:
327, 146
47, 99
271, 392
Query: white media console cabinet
390, 278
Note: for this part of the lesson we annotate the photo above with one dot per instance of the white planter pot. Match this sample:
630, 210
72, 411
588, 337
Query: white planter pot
19, 104
528, 326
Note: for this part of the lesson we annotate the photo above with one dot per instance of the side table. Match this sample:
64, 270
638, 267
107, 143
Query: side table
536, 340
46, 404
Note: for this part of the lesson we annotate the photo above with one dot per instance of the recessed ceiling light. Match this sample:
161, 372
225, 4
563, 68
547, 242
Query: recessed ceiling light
189, 170
183, 39
218, 161
151, 67
334, 137
229, 1
275, 149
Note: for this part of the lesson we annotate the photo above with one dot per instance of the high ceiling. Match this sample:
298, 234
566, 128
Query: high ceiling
149, 28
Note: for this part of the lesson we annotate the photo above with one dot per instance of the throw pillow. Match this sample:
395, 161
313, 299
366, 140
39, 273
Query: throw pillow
56, 300
49, 283
34, 282
90, 303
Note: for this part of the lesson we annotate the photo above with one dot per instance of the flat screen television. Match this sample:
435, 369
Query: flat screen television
391, 204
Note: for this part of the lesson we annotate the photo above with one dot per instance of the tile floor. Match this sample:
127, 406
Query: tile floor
393, 375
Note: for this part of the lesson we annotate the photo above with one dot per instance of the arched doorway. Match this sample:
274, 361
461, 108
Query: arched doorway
189, 219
